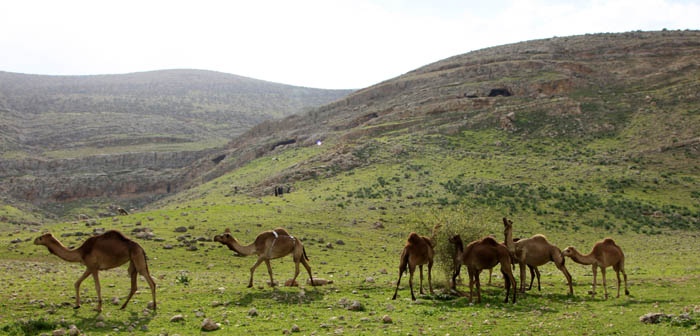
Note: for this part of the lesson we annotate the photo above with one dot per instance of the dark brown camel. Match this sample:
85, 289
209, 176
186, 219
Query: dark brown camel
480, 255
418, 251
108, 250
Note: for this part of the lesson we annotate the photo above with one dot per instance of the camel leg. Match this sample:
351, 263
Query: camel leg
134, 276
420, 268
605, 286
77, 288
252, 270
430, 281
490, 273
96, 277
532, 276
471, 283
478, 287
269, 270
144, 272
308, 269
595, 273
618, 282
537, 272
563, 269
411, 270
397, 284
622, 269
507, 285
296, 270
522, 277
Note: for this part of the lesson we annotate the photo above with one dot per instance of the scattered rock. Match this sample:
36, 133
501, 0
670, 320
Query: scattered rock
653, 317
168, 247
115, 301
209, 325
99, 324
319, 282
73, 330
180, 229
339, 242
253, 312
177, 318
295, 328
387, 319
369, 280
378, 225
192, 248
356, 306
58, 332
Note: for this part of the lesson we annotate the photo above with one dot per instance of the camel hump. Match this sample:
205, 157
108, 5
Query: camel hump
430, 241
490, 241
114, 234
281, 231
609, 241
414, 238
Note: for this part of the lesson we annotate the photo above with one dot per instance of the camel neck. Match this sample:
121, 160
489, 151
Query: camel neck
509, 240
245, 250
584, 259
63, 252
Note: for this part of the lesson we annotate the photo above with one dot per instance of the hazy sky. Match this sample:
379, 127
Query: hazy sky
324, 44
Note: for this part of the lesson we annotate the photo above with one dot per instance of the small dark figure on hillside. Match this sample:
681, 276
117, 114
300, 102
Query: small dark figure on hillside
102, 252
419, 250
122, 212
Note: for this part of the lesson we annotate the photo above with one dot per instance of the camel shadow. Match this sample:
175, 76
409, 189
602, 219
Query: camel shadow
88, 323
281, 296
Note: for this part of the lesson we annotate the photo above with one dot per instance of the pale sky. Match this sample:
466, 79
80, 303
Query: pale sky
322, 44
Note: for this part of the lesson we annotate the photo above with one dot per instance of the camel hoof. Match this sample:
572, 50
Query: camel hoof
627, 292
76, 307
250, 286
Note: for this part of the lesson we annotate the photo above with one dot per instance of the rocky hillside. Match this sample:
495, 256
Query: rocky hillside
74, 115
638, 90
67, 138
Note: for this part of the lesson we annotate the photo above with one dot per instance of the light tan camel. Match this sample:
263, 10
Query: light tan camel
418, 251
108, 250
269, 245
534, 272
604, 253
480, 255
535, 251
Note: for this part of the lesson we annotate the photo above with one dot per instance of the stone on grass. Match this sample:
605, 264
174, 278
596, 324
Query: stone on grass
653, 317
253, 312
209, 325
99, 324
73, 330
295, 328
180, 229
177, 318
387, 319
356, 306
58, 332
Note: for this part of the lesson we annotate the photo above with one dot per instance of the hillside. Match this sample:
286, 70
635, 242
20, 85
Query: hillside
66, 116
577, 138
99, 138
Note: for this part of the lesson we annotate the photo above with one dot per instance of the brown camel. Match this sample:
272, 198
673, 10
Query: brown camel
418, 251
535, 251
534, 272
269, 245
480, 255
108, 250
604, 253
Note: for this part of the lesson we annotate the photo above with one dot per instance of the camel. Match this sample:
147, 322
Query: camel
535, 251
418, 251
480, 255
604, 253
534, 272
269, 245
102, 252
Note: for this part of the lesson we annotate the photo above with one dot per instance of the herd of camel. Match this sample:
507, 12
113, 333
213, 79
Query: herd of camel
112, 249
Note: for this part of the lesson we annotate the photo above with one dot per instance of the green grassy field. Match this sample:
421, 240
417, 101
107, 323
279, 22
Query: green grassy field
574, 191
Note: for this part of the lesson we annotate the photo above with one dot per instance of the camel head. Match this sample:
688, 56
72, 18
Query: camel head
569, 251
44, 239
455, 239
507, 224
224, 238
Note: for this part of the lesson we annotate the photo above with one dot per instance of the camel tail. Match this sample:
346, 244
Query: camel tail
303, 250
404, 262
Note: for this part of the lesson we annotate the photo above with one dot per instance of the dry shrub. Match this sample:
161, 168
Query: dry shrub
470, 224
